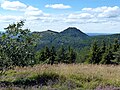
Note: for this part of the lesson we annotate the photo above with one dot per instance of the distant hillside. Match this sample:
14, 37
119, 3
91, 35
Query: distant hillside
97, 34
68, 37
74, 32
47, 33
71, 37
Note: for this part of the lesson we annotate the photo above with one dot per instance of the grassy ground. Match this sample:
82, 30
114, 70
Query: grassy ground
62, 77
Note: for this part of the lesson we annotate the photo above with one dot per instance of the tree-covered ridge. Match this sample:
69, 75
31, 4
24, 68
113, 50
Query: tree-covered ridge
64, 38
71, 37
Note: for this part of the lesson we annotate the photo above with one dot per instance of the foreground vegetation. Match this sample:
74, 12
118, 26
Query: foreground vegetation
24, 66
62, 77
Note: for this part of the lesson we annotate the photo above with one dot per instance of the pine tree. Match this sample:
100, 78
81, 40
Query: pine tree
94, 56
40, 56
52, 55
116, 53
107, 56
116, 45
71, 55
103, 48
117, 57
61, 55
46, 53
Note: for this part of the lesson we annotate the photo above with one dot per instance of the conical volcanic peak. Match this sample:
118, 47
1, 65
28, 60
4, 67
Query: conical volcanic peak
73, 31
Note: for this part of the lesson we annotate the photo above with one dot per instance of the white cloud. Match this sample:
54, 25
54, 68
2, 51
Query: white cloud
14, 5
31, 8
104, 12
110, 12
9, 18
29, 12
98, 9
32, 13
58, 6
81, 16
96, 15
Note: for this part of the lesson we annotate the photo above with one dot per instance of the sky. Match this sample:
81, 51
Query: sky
90, 16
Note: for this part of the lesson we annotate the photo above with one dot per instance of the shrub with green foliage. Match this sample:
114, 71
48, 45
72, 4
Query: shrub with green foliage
17, 46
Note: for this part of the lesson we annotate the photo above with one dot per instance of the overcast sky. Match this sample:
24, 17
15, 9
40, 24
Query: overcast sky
90, 16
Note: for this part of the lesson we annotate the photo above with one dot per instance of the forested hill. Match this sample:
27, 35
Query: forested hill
71, 37
68, 37
73, 32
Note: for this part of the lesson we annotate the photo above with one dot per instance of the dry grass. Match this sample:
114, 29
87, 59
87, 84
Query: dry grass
83, 76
